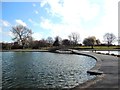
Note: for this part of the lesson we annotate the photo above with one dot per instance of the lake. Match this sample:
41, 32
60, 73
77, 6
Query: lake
110, 52
44, 70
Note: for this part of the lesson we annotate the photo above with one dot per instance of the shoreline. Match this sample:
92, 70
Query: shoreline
24, 50
45, 50
104, 64
69, 51
109, 79
97, 66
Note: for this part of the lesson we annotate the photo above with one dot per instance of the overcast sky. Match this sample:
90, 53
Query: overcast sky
60, 18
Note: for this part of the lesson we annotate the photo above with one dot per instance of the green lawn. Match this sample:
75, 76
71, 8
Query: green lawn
98, 47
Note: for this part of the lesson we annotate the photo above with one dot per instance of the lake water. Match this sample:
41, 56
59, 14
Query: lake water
110, 52
44, 70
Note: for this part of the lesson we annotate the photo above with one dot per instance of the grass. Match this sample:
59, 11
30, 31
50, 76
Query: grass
98, 47
75, 47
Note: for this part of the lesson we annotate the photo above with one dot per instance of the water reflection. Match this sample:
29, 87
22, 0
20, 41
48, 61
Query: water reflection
44, 69
110, 52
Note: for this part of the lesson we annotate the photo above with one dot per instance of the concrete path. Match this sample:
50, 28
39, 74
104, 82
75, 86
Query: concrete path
109, 66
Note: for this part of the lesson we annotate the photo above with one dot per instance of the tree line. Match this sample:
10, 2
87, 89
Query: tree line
23, 39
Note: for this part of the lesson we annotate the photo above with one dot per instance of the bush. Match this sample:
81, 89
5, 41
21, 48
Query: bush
17, 47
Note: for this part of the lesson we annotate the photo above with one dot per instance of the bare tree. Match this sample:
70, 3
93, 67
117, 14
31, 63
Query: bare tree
90, 41
21, 34
29, 42
98, 42
50, 40
66, 42
109, 38
74, 37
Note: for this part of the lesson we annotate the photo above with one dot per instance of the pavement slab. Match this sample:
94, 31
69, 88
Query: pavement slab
111, 73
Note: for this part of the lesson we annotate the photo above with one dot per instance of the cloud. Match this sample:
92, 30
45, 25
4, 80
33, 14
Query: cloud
72, 12
34, 5
18, 21
6, 34
0, 29
43, 2
33, 22
46, 24
109, 22
72, 9
30, 20
37, 36
10, 34
5, 23
62, 30
36, 12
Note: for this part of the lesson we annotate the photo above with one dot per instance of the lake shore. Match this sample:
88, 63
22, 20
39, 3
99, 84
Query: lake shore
37, 50
24, 50
64, 50
109, 79
105, 63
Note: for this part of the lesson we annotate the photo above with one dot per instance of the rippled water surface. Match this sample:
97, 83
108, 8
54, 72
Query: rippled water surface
44, 70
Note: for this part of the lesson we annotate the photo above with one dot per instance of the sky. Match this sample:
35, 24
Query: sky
60, 18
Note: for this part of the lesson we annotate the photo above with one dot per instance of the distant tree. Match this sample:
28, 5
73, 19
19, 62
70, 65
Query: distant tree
70, 38
29, 42
0, 46
109, 38
74, 38
98, 42
57, 41
16, 46
50, 40
43, 43
86, 42
66, 42
39, 44
90, 41
21, 34
6, 46
35, 44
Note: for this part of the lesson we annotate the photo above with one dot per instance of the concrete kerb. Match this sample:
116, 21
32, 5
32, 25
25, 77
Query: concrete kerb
90, 54
95, 68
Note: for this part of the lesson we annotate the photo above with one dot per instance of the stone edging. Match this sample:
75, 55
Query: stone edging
95, 68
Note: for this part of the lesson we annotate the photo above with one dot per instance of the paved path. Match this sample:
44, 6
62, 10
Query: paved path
109, 66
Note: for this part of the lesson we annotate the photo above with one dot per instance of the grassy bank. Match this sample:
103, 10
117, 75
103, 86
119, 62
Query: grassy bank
99, 48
